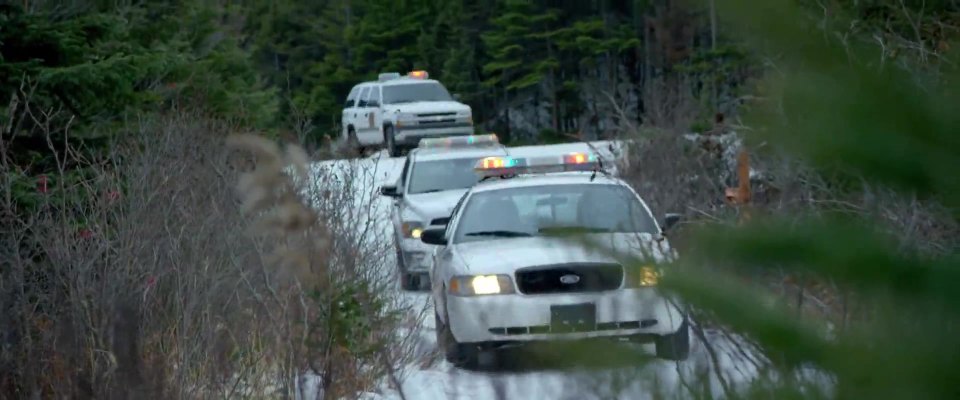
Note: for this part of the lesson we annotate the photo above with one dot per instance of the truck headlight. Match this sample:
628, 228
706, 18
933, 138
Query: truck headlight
465, 116
406, 119
411, 229
479, 285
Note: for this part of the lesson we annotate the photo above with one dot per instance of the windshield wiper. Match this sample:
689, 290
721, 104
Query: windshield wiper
560, 230
430, 191
499, 234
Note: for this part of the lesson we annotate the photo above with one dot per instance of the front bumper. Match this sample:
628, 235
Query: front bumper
519, 318
415, 255
411, 135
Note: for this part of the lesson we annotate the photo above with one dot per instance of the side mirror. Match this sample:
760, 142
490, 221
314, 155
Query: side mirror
434, 236
670, 220
456, 96
389, 191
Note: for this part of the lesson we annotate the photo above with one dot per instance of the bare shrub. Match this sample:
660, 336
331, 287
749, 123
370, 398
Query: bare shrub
134, 275
673, 174
676, 174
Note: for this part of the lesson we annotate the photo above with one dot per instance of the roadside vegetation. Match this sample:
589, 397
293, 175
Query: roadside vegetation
154, 241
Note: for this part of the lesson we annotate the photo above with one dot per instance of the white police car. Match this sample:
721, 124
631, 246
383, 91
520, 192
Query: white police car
397, 111
502, 277
434, 177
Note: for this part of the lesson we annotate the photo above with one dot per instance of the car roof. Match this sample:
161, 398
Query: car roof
548, 179
441, 153
403, 80
406, 80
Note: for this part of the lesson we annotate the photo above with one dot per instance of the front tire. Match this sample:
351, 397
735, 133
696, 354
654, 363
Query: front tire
388, 138
460, 355
675, 346
353, 144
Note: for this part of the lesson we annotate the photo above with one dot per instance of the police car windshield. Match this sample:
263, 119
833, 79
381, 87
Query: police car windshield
438, 175
544, 210
411, 92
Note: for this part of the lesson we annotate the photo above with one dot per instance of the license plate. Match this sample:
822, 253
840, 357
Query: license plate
573, 317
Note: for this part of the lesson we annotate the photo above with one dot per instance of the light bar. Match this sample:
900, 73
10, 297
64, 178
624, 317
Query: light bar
459, 141
386, 76
418, 74
499, 166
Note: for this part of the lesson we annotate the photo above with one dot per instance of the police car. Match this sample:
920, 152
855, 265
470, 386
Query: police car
434, 177
504, 275
397, 111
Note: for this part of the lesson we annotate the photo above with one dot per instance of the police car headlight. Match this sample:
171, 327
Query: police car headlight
643, 276
411, 229
479, 285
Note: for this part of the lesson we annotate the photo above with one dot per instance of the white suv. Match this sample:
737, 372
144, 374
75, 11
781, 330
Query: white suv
397, 112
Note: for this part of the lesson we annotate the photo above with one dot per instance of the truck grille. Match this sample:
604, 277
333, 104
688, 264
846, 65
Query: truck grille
436, 121
443, 114
569, 278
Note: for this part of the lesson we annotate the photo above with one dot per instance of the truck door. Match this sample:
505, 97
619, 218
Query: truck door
373, 117
349, 109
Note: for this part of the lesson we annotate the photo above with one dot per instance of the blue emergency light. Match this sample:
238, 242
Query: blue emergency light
501, 166
460, 141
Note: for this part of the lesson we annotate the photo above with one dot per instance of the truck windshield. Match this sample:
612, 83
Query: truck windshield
409, 93
439, 175
543, 210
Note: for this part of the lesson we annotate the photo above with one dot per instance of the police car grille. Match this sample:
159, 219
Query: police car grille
569, 278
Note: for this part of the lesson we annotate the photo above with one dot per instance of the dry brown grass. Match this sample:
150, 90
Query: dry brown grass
148, 278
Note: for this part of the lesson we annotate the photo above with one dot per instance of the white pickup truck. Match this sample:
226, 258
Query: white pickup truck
397, 111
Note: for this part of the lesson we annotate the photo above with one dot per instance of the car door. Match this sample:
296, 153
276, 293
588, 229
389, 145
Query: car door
400, 203
442, 258
371, 117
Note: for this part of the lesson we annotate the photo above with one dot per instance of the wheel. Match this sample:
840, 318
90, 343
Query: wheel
353, 143
675, 346
460, 355
409, 282
406, 283
388, 138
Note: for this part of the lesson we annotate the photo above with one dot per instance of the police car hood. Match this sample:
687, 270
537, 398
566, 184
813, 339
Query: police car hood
504, 256
431, 107
429, 206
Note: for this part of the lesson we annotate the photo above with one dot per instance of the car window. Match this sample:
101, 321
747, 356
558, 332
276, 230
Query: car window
411, 92
438, 175
403, 175
452, 223
374, 97
362, 97
352, 97
542, 210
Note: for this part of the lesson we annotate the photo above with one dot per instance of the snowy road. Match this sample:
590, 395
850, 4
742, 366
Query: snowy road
431, 377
